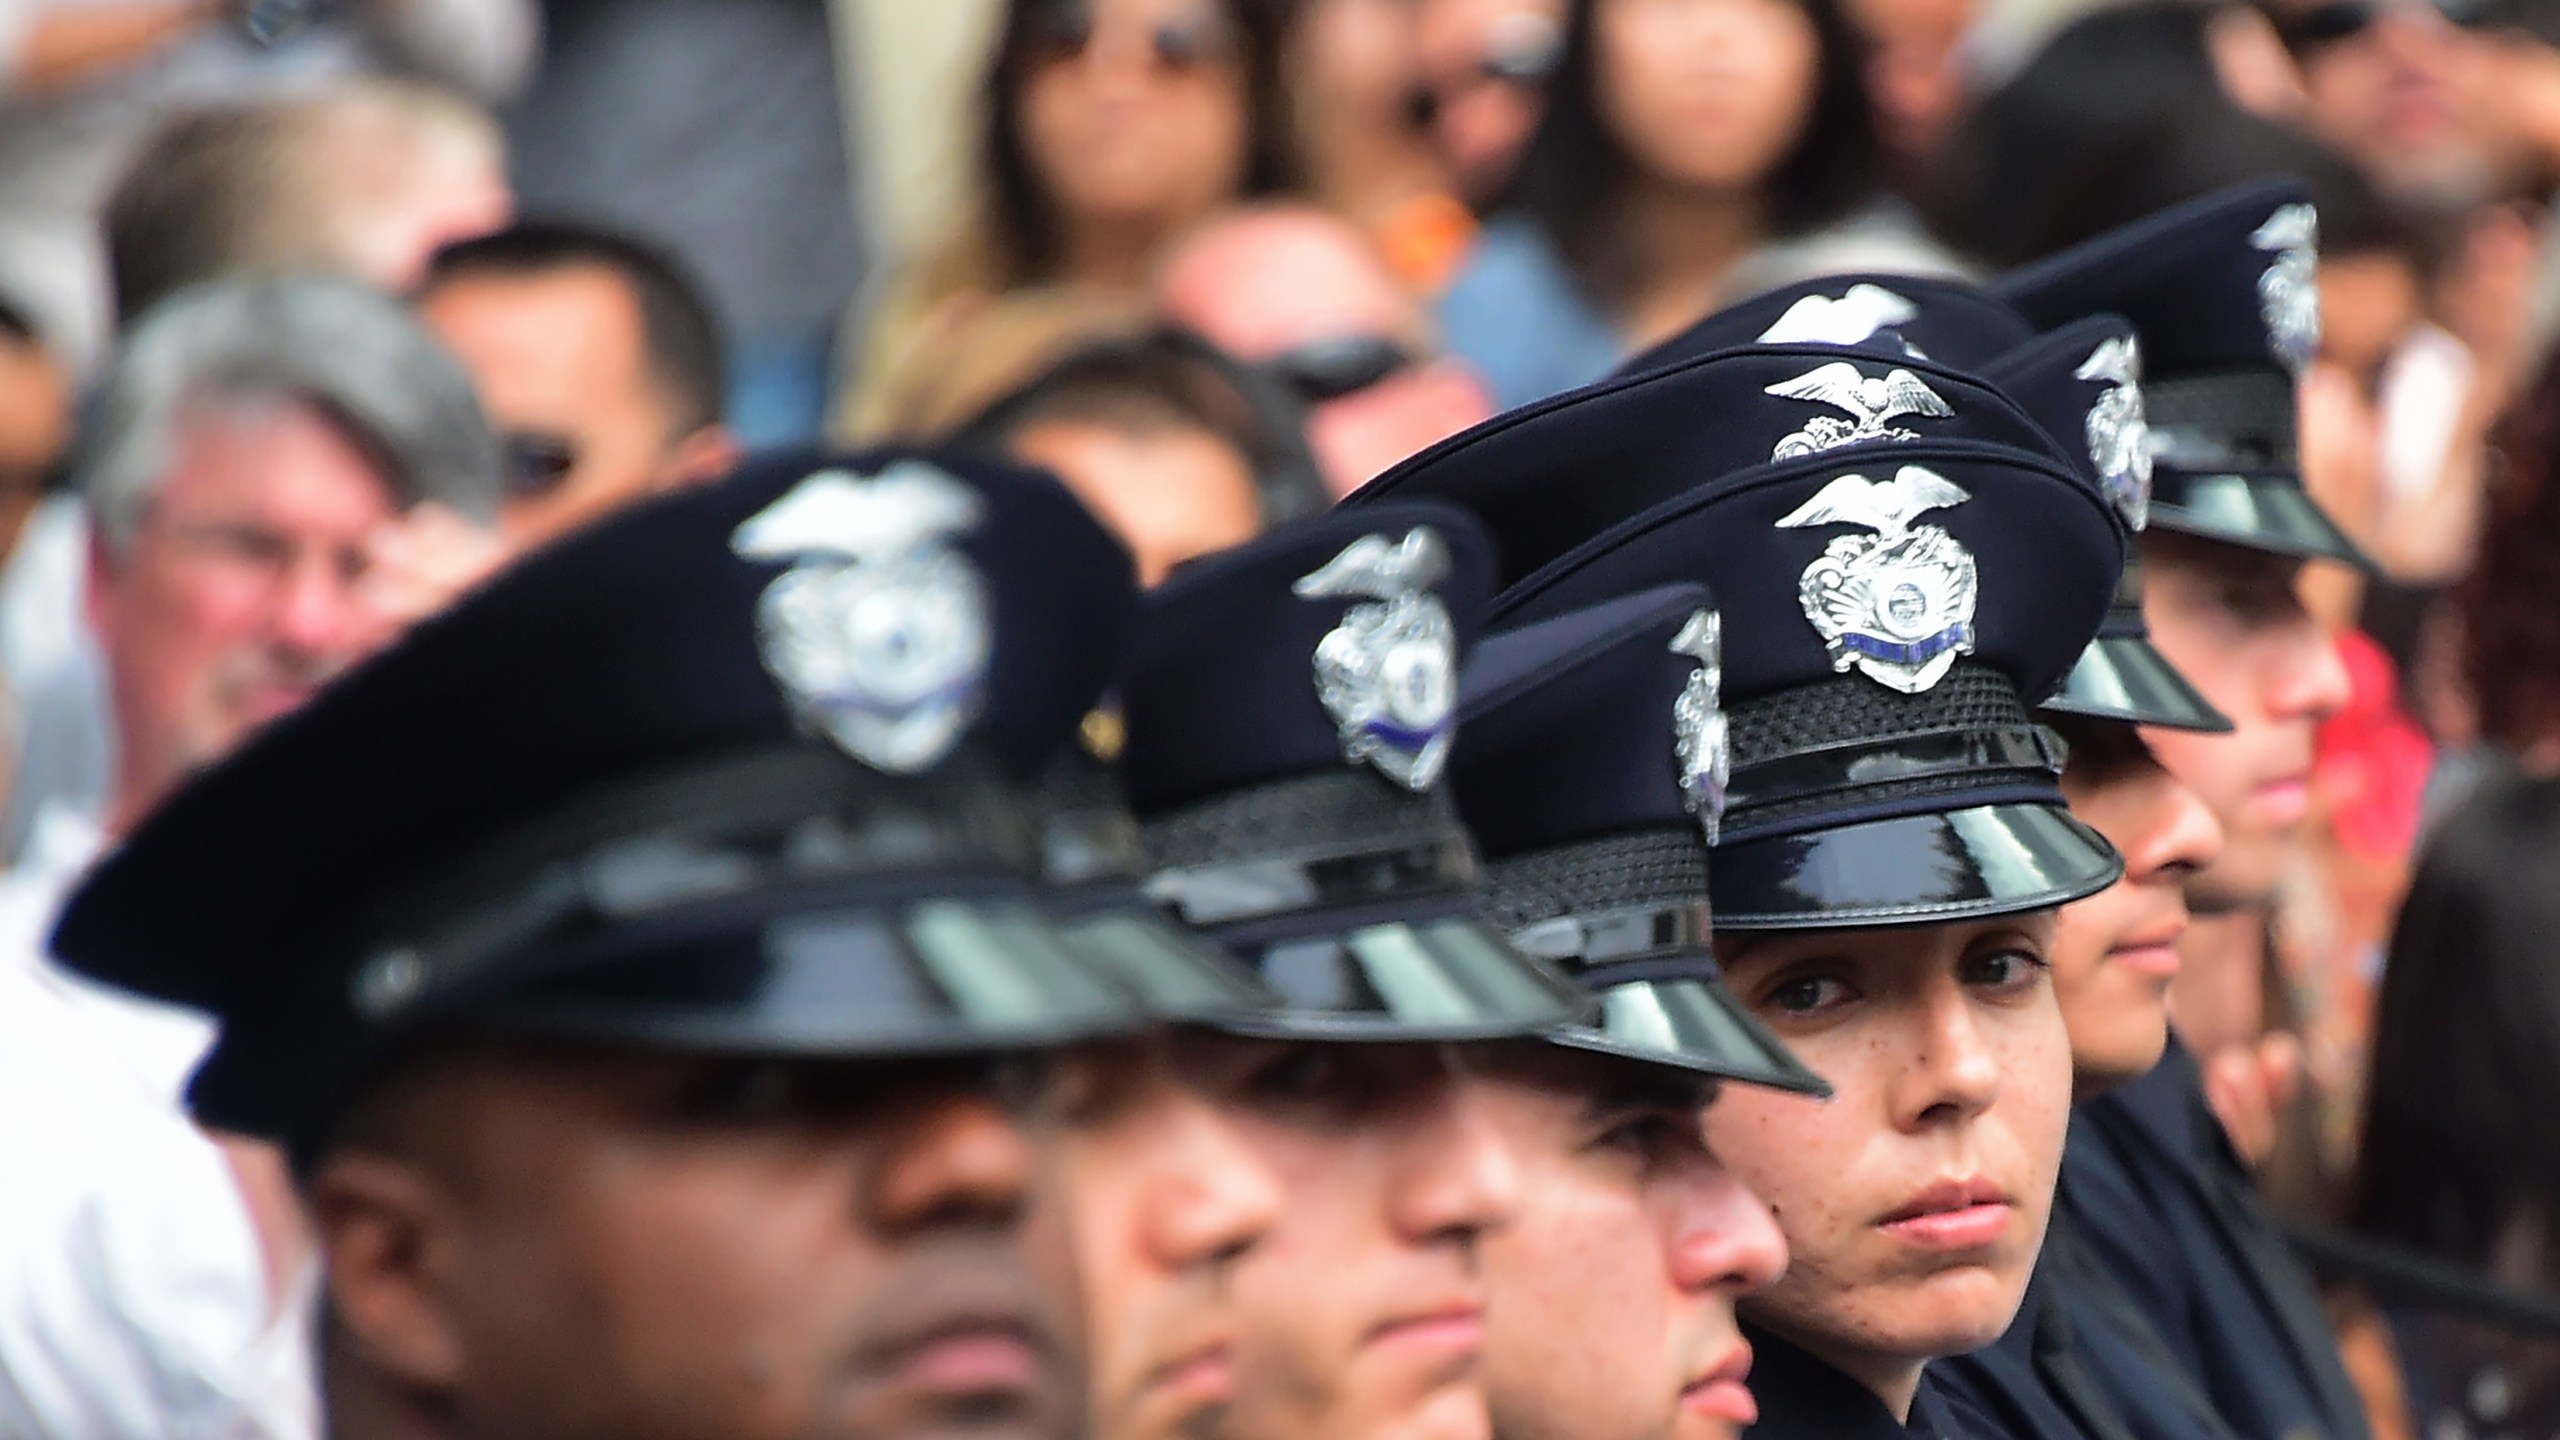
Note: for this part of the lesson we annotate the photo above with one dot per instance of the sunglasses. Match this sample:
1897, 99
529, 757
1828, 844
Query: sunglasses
1179, 45
2345, 19
1520, 57
1339, 365
537, 464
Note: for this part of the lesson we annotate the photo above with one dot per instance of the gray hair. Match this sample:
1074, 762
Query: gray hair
243, 343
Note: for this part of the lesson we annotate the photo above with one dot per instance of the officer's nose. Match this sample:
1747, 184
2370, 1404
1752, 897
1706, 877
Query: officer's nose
1454, 1176
1213, 1197
1727, 1241
957, 1158
1953, 1075
2311, 681
2176, 836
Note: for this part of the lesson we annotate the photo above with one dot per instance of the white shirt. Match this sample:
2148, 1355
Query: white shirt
133, 1289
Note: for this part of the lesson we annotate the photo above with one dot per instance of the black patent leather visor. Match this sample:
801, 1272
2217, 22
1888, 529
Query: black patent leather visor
1450, 977
1930, 869
2261, 512
1175, 975
1693, 1023
2123, 677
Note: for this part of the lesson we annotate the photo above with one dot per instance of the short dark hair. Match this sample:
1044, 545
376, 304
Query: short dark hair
1574, 173
1170, 379
685, 354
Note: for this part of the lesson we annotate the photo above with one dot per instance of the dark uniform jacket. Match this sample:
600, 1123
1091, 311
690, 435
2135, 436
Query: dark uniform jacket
1801, 1398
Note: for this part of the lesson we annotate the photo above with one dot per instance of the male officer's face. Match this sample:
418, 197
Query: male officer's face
1914, 1200
1164, 1198
2115, 953
1612, 1290
2230, 620
1364, 1310
569, 1242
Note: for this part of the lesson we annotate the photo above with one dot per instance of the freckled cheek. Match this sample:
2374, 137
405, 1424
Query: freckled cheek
1790, 1152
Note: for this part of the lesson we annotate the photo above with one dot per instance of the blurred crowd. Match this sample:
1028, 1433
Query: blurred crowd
315, 312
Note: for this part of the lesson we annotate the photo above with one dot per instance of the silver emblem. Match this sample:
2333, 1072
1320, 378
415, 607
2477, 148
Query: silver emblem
2289, 291
1697, 719
1897, 604
879, 632
2119, 435
1870, 402
1388, 674
1857, 315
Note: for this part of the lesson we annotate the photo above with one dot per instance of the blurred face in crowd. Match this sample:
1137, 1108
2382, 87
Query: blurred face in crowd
1612, 1290
1913, 74
1164, 1199
1170, 491
1134, 113
1706, 95
1481, 65
561, 364
35, 424
1914, 1201
2401, 89
239, 592
568, 1242
1364, 1309
1303, 294
2232, 622
2115, 953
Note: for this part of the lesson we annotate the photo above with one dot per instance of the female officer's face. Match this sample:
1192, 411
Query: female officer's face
1708, 94
1914, 1202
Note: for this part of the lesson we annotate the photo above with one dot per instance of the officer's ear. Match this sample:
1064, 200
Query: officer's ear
388, 1234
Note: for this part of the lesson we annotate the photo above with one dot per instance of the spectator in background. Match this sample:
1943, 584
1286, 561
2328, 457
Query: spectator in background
2507, 716
270, 464
35, 421
1177, 449
2403, 88
365, 179
1302, 294
716, 129
1109, 127
967, 366
85, 81
1692, 153
595, 358
1482, 68
2455, 1163
1353, 74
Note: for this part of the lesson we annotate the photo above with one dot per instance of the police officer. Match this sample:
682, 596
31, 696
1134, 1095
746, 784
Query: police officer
2222, 292
639, 961
1591, 768
1906, 562
1290, 710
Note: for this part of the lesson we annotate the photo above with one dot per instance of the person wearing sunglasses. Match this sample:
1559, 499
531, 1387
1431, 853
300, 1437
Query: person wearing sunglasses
2405, 88
1480, 70
1107, 127
1303, 296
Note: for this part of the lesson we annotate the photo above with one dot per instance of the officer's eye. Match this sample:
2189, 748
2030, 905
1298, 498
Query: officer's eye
2009, 969
1800, 995
1652, 1137
744, 1091
1299, 1075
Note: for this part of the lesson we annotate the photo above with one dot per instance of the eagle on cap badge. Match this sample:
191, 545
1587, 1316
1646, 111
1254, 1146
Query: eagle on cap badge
1856, 315
1896, 604
1388, 673
1871, 402
2119, 433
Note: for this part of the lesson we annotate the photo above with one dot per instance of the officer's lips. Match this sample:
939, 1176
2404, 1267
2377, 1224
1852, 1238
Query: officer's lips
1201, 1375
1721, 1394
985, 1355
2152, 951
1451, 1327
1966, 1214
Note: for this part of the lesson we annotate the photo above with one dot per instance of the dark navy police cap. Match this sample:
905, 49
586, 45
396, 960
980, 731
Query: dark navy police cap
1943, 320
732, 770
1551, 476
1290, 706
2224, 291
1592, 771
2084, 383
1892, 613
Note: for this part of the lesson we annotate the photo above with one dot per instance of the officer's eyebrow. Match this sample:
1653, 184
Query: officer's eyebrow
1653, 1089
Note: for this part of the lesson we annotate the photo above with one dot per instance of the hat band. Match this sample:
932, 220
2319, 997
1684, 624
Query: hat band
1622, 897
1308, 842
1207, 895
1815, 773
774, 819
2236, 420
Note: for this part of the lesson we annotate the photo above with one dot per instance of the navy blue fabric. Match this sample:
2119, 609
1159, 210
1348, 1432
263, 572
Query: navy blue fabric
2045, 545
1951, 322
2043, 376
1802, 1398
1220, 693
1567, 726
2151, 1185
2187, 277
1550, 477
629, 645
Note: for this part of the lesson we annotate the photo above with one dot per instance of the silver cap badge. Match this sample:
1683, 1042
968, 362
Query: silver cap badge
1870, 402
1388, 674
1897, 604
1697, 718
2289, 291
1857, 314
2119, 433
879, 632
